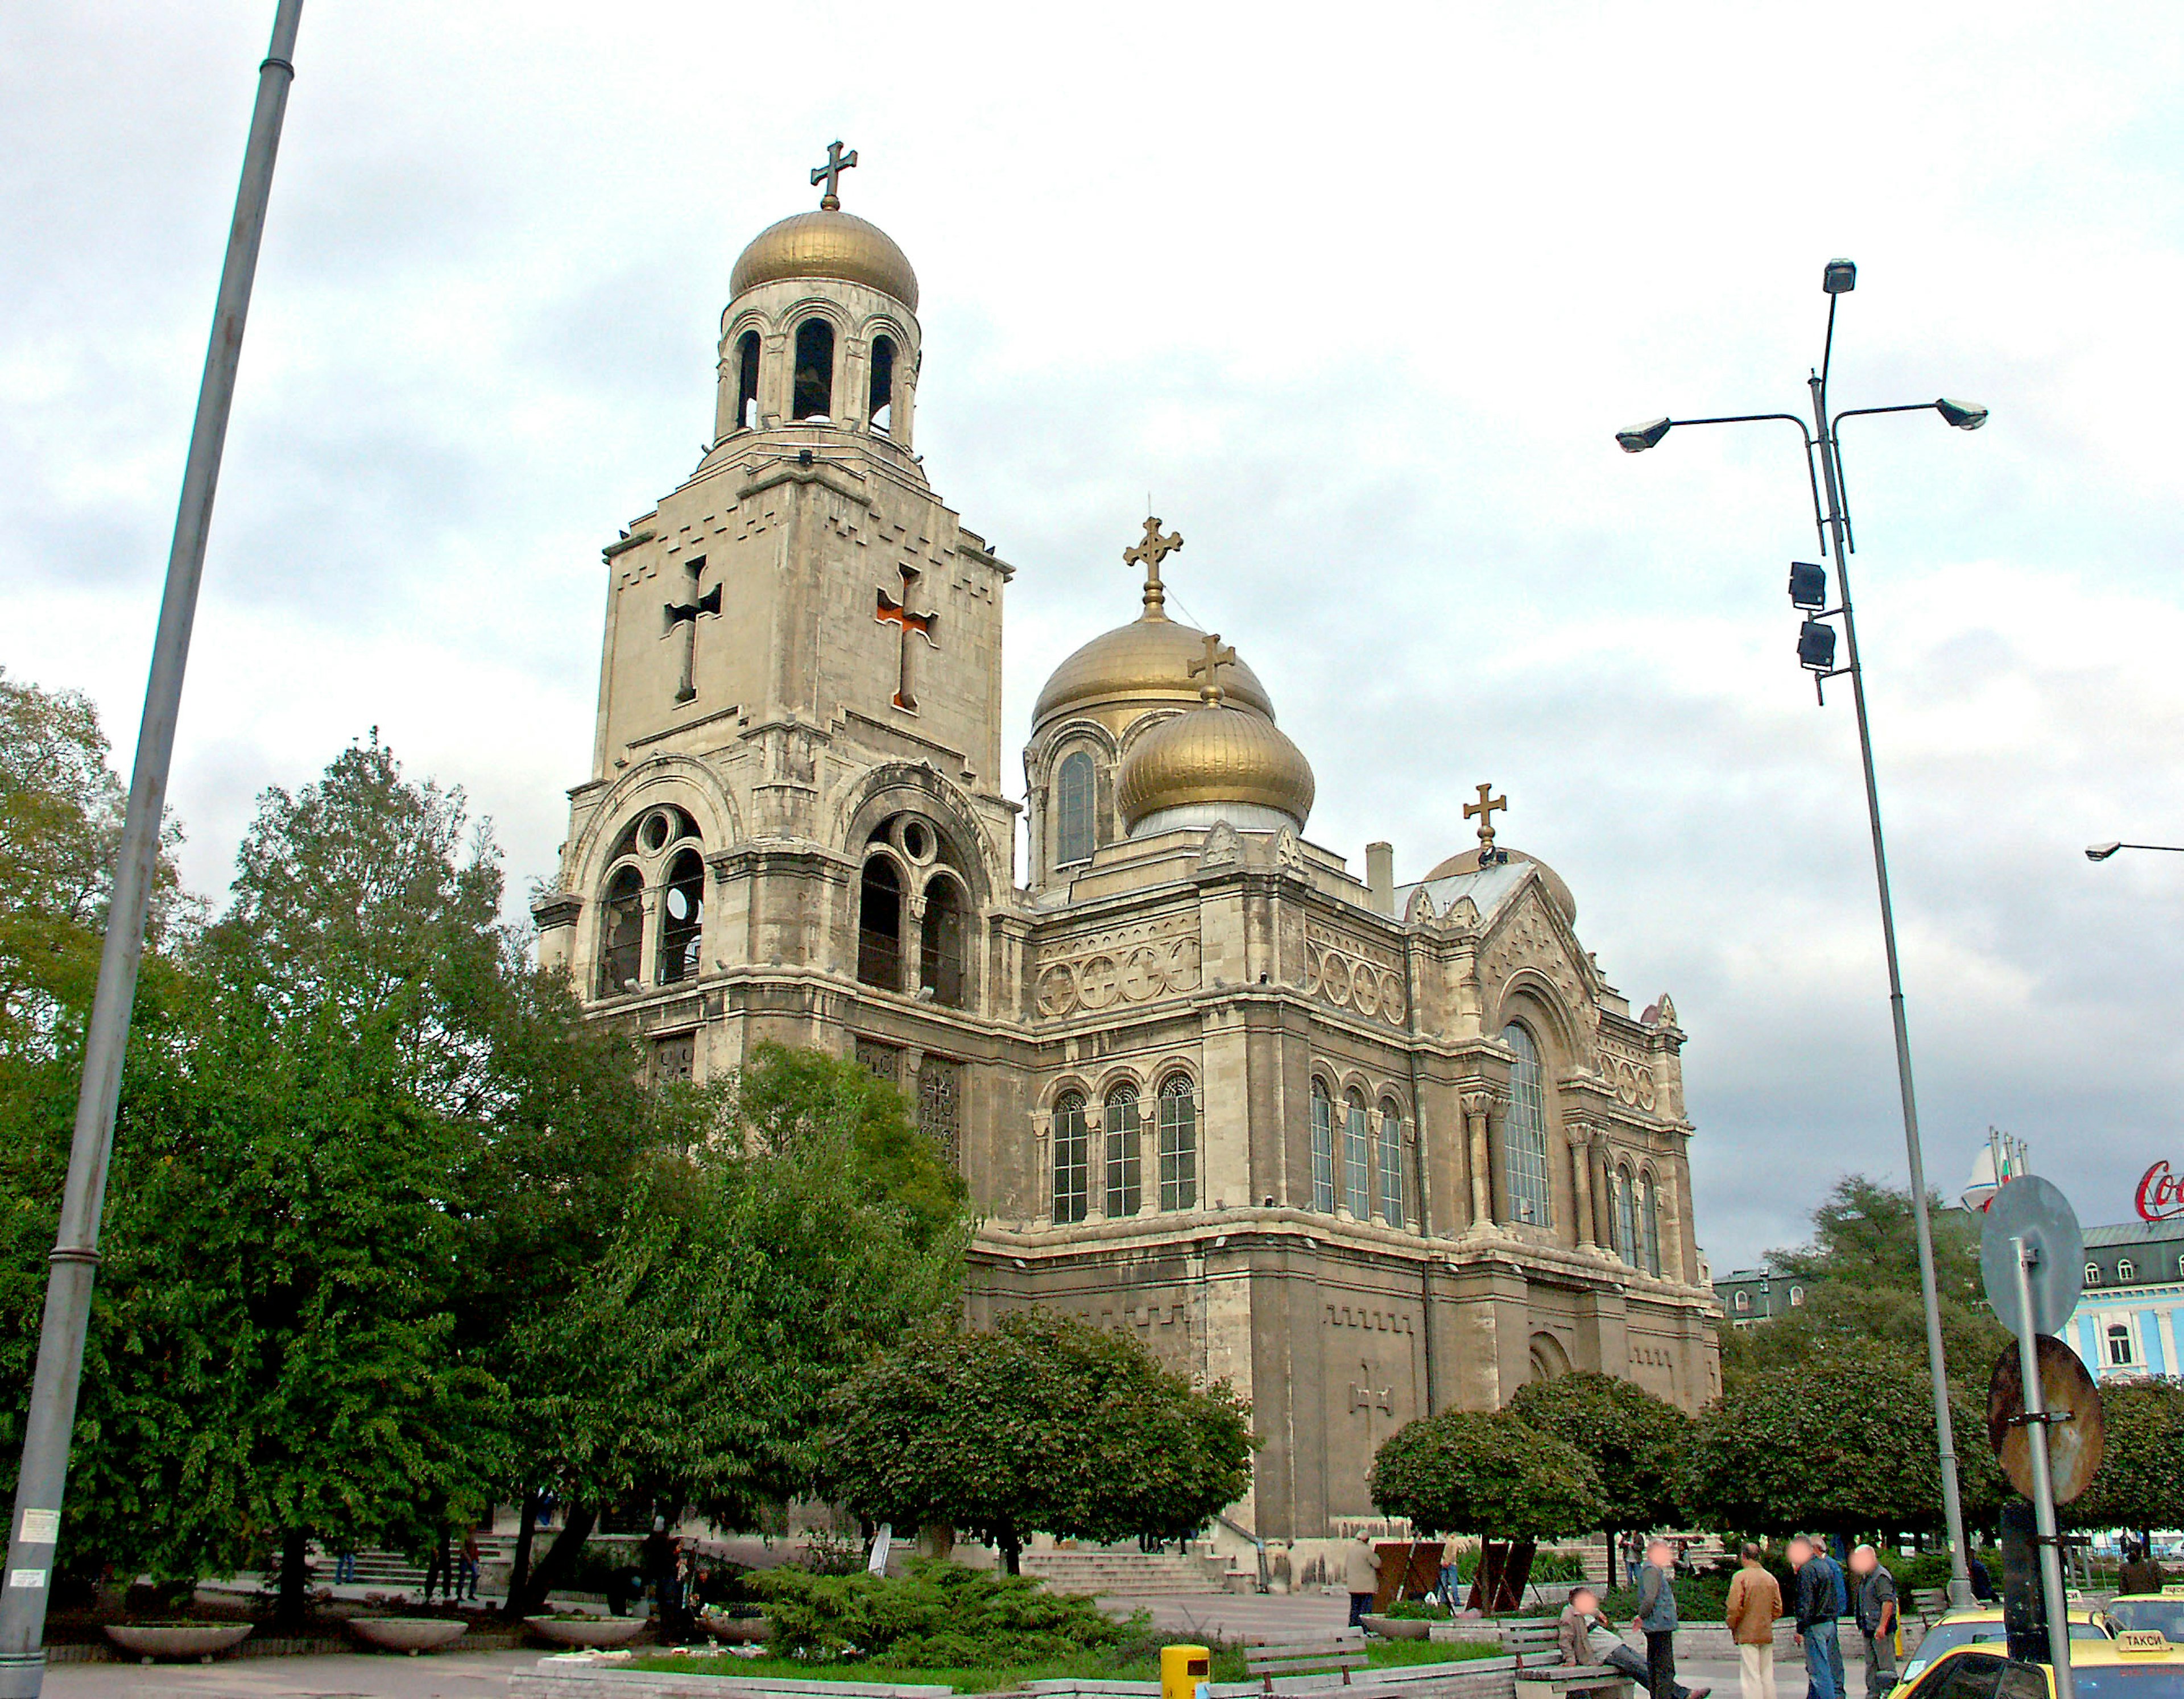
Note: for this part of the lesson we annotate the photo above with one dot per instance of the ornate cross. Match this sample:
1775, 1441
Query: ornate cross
685, 615
898, 614
1483, 810
1149, 554
831, 175
1217, 657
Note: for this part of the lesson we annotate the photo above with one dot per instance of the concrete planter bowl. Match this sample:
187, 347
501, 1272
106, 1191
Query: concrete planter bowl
1400, 1628
201, 1641
588, 1631
410, 1635
735, 1631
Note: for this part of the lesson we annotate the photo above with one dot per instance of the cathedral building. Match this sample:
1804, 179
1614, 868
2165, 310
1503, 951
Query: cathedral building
1366, 1151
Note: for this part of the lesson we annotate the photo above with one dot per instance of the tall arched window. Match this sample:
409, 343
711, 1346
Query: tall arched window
1071, 1159
747, 380
1072, 809
879, 406
1391, 1165
1178, 1145
622, 932
2093, 1273
2125, 1273
1524, 1134
2119, 1343
1323, 1148
814, 396
1744, 1300
1357, 1156
940, 945
1626, 1225
1124, 1192
683, 918
879, 925
1650, 1224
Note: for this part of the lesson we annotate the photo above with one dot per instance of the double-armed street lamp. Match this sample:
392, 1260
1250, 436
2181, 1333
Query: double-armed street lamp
1816, 652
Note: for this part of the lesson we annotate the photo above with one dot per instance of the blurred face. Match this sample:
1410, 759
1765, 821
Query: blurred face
1659, 1555
1586, 1600
1801, 1553
1862, 1562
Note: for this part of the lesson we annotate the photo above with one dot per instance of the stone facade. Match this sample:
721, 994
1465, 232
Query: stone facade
1364, 1152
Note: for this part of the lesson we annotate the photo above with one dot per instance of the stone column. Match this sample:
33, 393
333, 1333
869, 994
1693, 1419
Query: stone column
1476, 1104
1095, 1154
647, 951
1042, 1185
1580, 1135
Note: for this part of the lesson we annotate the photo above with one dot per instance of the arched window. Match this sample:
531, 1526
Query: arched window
747, 380
1744, 1300
2125, 1273
1524, 1134
879, 408
1124, 1192
940, 945
683, 918
1797, 1296
1357, 1157
1323, 1148
1071, 1159
621, 933
1391, 1165
815, 371
1626, 1214
1178, 1145
1650, 1225
2093, 1273
2119, 1343
879, 925
1072, 809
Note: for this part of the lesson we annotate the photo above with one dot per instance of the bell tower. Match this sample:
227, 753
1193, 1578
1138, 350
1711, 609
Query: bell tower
801, 625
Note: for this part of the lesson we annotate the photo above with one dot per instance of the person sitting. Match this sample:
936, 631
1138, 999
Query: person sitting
1586, 1639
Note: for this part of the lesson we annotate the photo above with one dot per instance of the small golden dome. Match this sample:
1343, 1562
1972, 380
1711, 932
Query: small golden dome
1467, 862
1214, 753
1145, 661
827, 244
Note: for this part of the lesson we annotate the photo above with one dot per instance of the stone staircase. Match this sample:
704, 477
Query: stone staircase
1130, 1574
391, 1572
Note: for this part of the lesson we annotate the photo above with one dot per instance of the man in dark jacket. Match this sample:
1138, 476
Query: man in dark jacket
1819, 1600
1657, 1618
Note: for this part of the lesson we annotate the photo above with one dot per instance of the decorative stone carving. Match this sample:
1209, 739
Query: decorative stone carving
1529, 939
1130, 964
1348, 974
1628, 1074
1463, 915
1223, 849
1289, 854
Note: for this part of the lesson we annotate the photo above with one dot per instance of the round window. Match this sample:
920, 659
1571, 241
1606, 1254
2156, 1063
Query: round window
916, 840
658, 829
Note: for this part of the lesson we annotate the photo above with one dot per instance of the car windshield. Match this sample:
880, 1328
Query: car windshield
2163, 1681
2165, 1614
1944, 1636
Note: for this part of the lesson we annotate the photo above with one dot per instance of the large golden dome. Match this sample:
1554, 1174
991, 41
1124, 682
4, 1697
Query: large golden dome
1214, 754
827, 244
1145, 661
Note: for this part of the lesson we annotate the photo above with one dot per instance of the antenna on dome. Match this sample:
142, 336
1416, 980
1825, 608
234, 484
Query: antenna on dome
831, 175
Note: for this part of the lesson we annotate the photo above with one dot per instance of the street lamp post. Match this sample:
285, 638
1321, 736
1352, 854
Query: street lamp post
2101, 852
1816, 652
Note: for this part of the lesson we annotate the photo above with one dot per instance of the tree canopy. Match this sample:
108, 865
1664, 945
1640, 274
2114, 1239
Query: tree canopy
1634, 1441
2142, 1459
1476, 1471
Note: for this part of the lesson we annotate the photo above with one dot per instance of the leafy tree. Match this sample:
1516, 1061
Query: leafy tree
1486, 1472
1636, 1443
2141, 1458
1044, 1423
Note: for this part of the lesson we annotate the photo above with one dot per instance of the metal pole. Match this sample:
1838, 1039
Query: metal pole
2043, 1484
1952, 1509
35, 1528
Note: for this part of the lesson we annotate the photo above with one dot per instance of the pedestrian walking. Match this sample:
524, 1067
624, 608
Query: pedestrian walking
438, 1570
1755, 1600
1657, 1618
1360, 1567
1820, 1600
1452, 1575
1983, 1581
1586, 1639
467, 1576
1878, 1613
345, 1566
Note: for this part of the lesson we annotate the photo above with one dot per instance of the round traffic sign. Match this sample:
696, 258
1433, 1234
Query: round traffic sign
2035, 1211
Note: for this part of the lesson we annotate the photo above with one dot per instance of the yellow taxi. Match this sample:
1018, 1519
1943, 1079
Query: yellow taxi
1981, 1625
2163, 1610
2138, 1663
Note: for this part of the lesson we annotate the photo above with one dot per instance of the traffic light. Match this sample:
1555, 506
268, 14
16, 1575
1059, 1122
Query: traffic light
1809, 584
1816, 646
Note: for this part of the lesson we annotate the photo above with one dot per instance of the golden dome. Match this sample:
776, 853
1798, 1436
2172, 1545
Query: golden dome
1214, 753
1467, 862
1146, 661
827, 244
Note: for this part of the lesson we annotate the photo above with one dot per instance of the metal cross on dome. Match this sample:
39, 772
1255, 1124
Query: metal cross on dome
1217, 657
1483, 812
1149, 553
831, 175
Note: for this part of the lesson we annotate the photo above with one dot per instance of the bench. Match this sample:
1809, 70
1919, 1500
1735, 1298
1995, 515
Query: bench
1536, 1645
1322, 1657
1531, 1641
1929, 1603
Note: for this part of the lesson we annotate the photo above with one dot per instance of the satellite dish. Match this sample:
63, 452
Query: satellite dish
2074, 1447
2035, 1211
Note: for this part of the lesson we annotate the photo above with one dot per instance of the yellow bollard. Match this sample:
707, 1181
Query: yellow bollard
1184, 1671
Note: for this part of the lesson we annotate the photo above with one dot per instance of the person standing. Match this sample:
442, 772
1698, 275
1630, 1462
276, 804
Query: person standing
1361, 1575
1877, 1615
1586, 1639
1819, 1602
2140, 1573
1657, 1618
466, 1578
1754, 1602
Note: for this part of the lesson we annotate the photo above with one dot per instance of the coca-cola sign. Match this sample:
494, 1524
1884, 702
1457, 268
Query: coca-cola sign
2160, 1194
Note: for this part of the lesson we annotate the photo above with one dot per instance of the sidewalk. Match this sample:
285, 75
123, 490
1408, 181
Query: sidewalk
346, 1675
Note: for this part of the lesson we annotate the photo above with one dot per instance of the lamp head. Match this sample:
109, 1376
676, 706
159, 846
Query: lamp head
2101, 852
1840, 277
1640, 437
1965, 415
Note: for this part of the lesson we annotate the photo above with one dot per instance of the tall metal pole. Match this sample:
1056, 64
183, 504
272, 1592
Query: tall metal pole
2022, 1258
1952, 1509
35, 1528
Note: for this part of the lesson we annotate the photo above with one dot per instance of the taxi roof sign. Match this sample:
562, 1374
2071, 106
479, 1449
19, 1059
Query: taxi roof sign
2141, 1640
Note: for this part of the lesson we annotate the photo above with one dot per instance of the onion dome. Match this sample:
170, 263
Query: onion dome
1143, 664
1467, 862
1215, 763
827, 243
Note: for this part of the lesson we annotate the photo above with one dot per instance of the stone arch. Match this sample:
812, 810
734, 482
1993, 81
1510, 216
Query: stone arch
681, 780
1528, 991
1549, 1361
900, 787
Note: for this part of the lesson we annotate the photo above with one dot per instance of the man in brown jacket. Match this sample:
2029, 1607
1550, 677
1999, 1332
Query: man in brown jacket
1754, 1601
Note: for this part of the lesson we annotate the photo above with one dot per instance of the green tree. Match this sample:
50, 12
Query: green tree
1486, 1472
1634, 1441
1042, 1423
2141, 1458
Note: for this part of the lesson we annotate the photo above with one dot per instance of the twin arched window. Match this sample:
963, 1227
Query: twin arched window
1323, 1148
1071, 1159
879, 925
622, 937
1072, 809
1122, 1156
1524, 1134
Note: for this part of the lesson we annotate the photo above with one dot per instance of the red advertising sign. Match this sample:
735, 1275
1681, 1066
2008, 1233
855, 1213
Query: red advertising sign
2160, 1194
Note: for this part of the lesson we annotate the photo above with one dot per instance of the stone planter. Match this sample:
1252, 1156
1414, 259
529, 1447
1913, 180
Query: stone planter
735, 1631
200, 1641
587, 1632
412, 1634
1400, 1628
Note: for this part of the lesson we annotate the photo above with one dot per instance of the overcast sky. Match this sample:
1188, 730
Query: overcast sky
1360, 299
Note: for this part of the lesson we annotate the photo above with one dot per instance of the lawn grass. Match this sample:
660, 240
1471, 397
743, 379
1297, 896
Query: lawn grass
1227, 1666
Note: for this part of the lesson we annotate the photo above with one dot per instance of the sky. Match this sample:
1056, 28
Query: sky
1359, 300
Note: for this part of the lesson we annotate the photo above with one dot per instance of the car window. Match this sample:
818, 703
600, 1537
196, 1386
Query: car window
2165, 1614
2021, 1681
1968, 1675
2162, 1680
